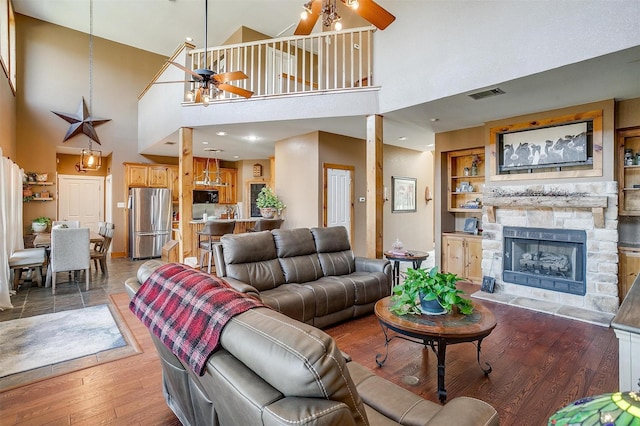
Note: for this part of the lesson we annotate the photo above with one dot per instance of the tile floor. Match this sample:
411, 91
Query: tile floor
31, 300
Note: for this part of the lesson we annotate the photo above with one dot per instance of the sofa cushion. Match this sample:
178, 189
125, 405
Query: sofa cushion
251, 258
332, 294
297, 255
334, 250
293, 300
369, 286
295, 358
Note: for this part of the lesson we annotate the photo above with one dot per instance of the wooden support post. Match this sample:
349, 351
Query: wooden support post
185, 208
374, 186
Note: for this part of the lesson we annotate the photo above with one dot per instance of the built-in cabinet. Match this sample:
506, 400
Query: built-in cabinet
629, 268
462, 255
139, 175
628, 162
227, 193
626, 325
465, 180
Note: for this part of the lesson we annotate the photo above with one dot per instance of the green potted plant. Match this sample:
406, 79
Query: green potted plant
40, 224
269, 203
422, 286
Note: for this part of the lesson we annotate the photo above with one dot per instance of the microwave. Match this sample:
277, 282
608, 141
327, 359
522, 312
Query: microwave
205, 196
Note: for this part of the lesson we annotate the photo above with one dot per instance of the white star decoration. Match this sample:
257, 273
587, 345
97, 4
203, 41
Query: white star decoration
81, 122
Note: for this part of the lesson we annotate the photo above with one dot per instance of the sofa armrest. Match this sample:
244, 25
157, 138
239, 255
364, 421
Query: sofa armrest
367, 264
466, 411
242, 287
296, 410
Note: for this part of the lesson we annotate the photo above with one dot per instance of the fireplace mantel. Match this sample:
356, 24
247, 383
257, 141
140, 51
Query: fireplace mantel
597, 204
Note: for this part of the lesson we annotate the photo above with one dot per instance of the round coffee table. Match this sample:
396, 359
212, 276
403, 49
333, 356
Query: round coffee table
436, 331
414, 256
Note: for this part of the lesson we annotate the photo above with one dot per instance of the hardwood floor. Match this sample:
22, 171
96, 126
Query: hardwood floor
540, 363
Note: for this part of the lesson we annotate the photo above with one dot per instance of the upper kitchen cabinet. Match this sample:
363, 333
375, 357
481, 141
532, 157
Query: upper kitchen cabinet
158, 176
228, 179
628, 162
136, 174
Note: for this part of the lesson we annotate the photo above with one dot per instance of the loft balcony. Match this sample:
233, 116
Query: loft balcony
329, 74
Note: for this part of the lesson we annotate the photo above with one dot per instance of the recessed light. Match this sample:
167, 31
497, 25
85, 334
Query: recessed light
402, 138
236, 156
252, 138
221, 133
189, 39
205, 143
433, 120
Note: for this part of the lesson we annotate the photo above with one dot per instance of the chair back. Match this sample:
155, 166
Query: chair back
267, 224
104, 226
65, 224
70, 249
107, 236
218, 228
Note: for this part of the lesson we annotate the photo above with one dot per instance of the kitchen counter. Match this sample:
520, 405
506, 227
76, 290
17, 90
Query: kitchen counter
252, 220
242, 226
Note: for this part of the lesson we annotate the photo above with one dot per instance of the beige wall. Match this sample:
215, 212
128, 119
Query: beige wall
628, 113
245, 177
299, 182
53, 75
7, 117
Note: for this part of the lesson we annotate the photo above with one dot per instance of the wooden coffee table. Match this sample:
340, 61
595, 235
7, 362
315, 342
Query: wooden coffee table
436, 331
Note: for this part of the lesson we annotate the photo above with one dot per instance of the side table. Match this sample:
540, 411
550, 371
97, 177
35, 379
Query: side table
414, 256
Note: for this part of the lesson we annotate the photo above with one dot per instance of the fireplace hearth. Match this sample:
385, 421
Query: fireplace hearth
550, 259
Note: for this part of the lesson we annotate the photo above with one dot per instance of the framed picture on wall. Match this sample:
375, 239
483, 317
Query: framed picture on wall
403, 194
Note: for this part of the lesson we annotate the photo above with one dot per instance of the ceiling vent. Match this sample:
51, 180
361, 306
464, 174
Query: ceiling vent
487, 93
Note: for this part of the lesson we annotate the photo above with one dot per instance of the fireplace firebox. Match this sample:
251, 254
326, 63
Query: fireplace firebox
550, 259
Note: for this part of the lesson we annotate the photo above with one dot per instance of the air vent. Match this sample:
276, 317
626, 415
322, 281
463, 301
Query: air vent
170, 143
487, 93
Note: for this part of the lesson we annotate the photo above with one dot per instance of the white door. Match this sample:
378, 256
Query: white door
81, 198
339, 198
280, 63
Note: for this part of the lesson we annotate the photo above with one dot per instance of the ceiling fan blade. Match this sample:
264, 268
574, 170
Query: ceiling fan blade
237, 90
305, 26
230, 76
187, 70
374, 13
198, 95
174, 81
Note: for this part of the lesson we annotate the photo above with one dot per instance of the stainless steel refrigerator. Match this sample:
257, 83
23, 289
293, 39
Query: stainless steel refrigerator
149, 221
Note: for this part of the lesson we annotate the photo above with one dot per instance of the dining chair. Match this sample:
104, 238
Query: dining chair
210, 235
65, 224
101, 250
69, 252
266, 225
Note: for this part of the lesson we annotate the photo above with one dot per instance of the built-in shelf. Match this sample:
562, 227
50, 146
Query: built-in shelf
465, 168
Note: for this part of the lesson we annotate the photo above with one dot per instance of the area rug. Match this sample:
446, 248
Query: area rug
44, 346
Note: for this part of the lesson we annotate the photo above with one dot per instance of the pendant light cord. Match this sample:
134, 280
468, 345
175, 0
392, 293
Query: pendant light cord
90, 67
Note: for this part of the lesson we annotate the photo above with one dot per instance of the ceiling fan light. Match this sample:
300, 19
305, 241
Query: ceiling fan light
353, 4
304, 15
190, 95
337, 25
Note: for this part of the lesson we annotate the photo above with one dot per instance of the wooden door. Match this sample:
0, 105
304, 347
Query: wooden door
453, 255
158, 176
136, 175
629, 269
474, 259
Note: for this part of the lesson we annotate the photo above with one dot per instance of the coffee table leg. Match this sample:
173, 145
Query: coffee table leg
442, 354
379, 361
487, 370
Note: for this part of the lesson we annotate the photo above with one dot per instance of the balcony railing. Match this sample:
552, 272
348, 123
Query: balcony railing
295, 65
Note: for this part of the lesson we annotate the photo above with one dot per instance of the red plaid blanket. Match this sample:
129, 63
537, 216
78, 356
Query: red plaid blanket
187, 310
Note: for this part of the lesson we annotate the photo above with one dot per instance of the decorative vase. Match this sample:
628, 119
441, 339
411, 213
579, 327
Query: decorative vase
431, 307
38, 227
268, 212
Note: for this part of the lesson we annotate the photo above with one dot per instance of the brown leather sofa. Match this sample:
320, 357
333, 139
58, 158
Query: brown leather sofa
274, 370
307, 274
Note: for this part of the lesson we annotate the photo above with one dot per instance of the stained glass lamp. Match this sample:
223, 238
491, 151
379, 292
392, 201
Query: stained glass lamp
609, 409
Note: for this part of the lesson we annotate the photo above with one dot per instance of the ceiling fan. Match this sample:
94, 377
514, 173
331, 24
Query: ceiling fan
367, 9
210, 83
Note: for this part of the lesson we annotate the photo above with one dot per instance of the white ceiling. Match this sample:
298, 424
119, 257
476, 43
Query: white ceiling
160, 26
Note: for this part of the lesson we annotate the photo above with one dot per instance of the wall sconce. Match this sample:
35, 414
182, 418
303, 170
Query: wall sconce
386, 194
90, 160
427, 194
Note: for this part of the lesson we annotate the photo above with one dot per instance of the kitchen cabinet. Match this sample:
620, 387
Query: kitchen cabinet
462, 255
227, 193
465, 170
174, 183
629, 269
136, 175
628, 166
158, 176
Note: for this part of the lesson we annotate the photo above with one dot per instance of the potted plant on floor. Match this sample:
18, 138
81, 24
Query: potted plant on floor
429, 292
40, 224
269, 203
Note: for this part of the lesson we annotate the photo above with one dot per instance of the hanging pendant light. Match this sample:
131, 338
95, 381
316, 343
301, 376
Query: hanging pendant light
90, 159
205, 178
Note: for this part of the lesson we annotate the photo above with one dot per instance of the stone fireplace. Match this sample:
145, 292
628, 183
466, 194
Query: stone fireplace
553, 248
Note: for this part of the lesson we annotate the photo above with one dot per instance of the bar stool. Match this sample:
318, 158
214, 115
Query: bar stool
210, 235
266, 225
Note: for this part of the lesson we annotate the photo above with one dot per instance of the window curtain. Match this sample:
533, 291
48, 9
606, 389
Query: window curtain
10, 223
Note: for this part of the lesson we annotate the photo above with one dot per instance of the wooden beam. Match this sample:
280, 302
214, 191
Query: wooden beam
375, 195
185, 208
